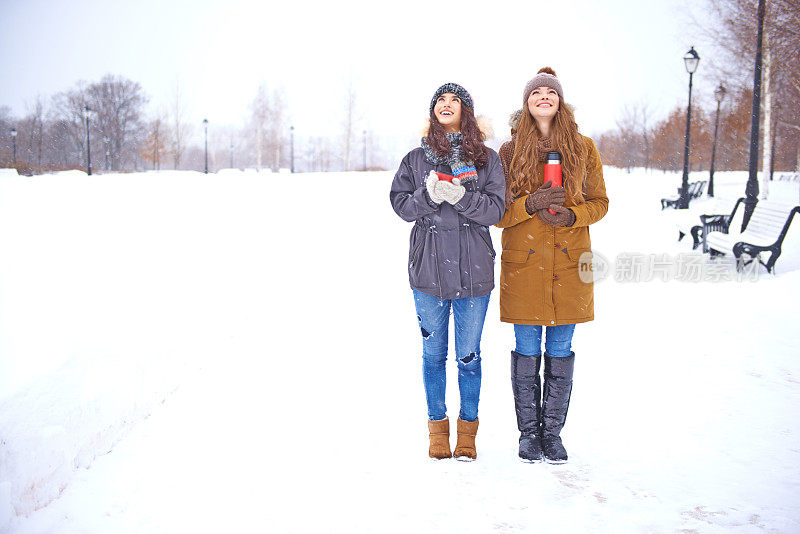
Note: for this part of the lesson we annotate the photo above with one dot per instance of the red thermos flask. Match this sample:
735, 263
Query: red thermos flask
552, 171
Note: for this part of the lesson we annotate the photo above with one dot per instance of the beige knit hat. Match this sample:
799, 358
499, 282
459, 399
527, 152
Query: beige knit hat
546, 77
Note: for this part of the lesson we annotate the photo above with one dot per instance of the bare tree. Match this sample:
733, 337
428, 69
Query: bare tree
31, 132
277, 140
67, 113
155, 143
268, 127
731, 30
633, 139
349, 122
6, 123
319, 154
118, 104
260, 116
180, 130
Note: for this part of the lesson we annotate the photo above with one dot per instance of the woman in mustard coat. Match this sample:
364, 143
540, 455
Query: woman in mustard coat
545, 277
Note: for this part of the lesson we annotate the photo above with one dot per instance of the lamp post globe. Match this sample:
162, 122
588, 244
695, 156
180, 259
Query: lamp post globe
720, 92
691, 60
719, 96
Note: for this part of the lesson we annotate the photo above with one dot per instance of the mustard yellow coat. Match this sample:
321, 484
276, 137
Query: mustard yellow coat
540, 282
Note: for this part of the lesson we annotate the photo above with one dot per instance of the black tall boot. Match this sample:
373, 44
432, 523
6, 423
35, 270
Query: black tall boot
555, 402
527, 401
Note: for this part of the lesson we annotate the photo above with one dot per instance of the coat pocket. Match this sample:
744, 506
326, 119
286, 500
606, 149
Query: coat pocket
415, 245
521, 285
486, 237
581, 259
413, 255
479, 254
573, 293
515, 256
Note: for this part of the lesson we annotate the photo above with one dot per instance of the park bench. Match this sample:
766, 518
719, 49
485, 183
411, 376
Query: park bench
707, 222
695, 191
765, 232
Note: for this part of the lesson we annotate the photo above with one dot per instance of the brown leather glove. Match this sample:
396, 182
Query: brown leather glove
563, 217
544, 197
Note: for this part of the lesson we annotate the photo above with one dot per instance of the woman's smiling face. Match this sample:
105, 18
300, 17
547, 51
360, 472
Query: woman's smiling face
543, 103
447, 111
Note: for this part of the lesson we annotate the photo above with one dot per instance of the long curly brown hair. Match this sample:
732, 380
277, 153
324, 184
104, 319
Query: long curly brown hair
565, 139
472, 146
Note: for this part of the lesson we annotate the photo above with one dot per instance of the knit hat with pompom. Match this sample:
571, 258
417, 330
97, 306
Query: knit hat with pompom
546, 77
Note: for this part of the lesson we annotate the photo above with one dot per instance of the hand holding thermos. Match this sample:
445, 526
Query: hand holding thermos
430, 185
563, 216
543, 197
444, 188
547, 201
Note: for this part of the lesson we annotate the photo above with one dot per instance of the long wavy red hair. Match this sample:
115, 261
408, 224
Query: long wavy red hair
565, 139
472, 147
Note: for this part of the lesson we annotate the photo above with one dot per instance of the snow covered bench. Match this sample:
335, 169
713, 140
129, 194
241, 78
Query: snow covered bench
696, 223
765, 232
716, 223
695, 191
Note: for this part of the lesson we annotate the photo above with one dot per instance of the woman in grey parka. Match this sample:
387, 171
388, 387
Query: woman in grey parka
452, 188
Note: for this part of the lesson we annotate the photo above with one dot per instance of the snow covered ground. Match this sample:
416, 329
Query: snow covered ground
239, 352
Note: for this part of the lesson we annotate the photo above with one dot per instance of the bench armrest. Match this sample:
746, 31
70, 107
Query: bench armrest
715, 223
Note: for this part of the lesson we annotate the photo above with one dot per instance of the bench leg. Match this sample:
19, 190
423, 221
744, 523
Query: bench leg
697, 236
770, 265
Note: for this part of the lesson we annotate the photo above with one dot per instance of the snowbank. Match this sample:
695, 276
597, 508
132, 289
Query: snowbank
65, 419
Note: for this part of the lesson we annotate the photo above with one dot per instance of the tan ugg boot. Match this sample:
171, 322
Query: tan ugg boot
465, 444
440, 439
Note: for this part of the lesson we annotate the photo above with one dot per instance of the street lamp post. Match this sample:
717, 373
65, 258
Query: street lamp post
691, 59
86, 112
291, 150
205, 126
719, 96
14, 142
108, 151
751, 189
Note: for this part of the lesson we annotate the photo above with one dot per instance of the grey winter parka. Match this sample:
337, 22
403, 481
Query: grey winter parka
451, 254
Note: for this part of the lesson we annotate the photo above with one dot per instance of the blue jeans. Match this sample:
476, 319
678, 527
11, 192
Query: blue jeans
558, 341
433, 315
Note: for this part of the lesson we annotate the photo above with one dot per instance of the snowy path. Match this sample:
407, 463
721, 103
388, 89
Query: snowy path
304, 409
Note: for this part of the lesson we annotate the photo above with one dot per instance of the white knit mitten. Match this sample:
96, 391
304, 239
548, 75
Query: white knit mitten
431, 184
449, 192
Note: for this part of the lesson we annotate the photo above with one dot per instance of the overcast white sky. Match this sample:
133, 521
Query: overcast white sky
606, 53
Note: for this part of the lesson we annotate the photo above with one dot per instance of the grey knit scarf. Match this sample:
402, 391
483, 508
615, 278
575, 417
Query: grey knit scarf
454, 158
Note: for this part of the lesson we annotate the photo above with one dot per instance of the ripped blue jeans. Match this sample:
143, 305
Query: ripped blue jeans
433, 315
